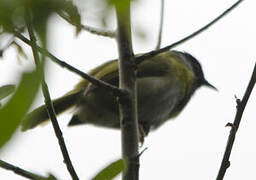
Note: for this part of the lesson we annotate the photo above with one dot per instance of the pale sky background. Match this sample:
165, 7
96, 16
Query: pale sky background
192, 146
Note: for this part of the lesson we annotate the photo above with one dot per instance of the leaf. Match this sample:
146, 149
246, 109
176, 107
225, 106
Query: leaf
13, 12
111, 171
20, 50
73, 14
6, 91
13, 112
121, 4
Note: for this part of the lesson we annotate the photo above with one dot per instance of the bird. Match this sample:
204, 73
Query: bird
165, 85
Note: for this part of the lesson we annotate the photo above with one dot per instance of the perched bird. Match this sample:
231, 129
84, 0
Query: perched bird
165, 84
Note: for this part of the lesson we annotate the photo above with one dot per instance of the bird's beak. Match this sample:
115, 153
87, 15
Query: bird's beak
206, 83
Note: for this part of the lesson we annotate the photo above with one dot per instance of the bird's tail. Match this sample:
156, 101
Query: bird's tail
40, 114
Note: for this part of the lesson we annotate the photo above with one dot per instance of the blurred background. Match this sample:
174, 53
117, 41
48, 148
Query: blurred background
188, 147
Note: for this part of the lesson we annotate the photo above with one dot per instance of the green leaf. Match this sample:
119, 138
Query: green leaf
121, 4
6, 91
13, 12
111, 171
73, 14
13, 112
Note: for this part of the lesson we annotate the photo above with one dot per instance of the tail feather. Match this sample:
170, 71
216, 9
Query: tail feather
40, 114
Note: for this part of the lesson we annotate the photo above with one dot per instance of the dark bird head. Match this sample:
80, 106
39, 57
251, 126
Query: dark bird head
197, 69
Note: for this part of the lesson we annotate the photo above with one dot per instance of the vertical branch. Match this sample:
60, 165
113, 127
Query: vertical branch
127, 81
234, 127
160, 26
49, 104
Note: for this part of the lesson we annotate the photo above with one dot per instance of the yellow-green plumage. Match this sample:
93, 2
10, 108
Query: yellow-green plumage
165, 84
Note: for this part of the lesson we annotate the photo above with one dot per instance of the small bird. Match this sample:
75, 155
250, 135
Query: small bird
165, 84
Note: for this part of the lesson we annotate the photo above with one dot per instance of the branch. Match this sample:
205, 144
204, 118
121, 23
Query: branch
127, 82
161, 26
49, 105
93, 30
20, 171
117, 92
234, 127
7, 45
153, 53
57, 130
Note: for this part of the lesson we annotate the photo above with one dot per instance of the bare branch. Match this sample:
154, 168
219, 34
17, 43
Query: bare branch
234, 127
153, 53
127, 82
161, 26
57, 130
116, 91
20, 171
50, 107
93, 30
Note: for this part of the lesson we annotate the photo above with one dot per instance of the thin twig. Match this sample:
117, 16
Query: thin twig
146, 148
20, 171
7, 45
234, 127
57, 130
153, 53
160, 26
116, 91
93, 30
49, 106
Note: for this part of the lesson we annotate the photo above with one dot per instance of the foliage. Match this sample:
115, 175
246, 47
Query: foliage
111, 171
6, 91
12, 113
13, 12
